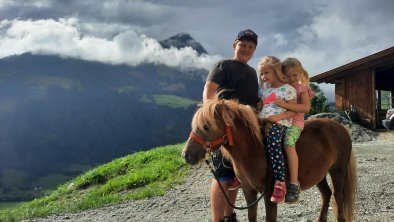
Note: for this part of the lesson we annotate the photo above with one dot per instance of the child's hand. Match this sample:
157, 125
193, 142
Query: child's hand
273, 119
280, 102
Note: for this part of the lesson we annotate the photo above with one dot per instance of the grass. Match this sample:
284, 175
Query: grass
174, 101
171, 101
9, 205
125, 89
141, 175
42, 82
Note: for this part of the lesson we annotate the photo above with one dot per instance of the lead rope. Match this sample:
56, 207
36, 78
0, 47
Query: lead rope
224, 193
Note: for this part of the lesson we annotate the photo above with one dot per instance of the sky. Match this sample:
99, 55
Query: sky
321, 34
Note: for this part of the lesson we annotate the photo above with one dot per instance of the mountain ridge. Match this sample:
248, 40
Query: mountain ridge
182, 40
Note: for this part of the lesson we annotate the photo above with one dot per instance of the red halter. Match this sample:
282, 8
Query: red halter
214, 144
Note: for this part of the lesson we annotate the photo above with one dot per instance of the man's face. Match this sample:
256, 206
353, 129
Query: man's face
243, 50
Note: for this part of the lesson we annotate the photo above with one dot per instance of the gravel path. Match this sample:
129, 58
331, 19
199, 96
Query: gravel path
190, 201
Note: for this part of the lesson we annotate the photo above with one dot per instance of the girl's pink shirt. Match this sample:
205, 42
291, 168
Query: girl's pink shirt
298, 119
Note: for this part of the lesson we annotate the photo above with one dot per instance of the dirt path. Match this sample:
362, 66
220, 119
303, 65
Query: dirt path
190, 201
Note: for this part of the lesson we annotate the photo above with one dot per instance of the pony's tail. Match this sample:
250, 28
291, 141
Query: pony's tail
350, 189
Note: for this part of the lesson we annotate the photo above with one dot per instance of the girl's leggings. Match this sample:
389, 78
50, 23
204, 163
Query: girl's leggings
275, 150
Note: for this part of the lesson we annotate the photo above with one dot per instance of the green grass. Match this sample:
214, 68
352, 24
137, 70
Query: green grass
173, 101
9, 205
42, 82
141, 175
125, 89
51, 181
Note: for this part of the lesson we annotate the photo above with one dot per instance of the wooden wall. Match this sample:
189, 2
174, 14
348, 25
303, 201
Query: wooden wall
357, 92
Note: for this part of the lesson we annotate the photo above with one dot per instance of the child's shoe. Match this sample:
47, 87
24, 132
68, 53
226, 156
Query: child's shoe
278, 195
234, 184
293, 192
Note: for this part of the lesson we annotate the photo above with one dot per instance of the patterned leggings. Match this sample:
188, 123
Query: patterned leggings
275, 150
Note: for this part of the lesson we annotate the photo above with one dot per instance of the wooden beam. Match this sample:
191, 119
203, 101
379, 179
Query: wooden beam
382, 59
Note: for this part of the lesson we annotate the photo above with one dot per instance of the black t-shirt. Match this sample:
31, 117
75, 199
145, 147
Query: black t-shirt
237, 79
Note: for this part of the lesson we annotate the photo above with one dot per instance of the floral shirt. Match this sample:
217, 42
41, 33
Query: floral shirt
285, 92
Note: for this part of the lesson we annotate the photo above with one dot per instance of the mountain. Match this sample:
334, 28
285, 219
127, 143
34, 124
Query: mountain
182, 40
62, 116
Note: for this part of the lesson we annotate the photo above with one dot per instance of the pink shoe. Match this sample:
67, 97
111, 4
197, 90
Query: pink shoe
234, 184
278, 195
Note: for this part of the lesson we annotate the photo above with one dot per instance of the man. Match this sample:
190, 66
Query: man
238, 81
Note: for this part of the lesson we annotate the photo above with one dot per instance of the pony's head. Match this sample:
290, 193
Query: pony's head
219, 123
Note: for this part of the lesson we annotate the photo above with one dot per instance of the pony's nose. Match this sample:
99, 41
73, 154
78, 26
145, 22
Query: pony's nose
185, 155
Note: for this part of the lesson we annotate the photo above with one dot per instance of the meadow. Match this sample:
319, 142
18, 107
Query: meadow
141, 175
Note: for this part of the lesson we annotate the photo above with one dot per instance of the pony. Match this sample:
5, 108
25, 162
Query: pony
324, 147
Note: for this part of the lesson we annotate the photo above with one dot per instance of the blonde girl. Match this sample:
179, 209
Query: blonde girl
274, 85
297, 77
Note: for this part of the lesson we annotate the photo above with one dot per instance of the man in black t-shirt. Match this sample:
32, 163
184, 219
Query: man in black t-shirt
236, 80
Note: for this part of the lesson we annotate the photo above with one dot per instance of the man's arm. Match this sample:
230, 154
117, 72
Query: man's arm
209, 92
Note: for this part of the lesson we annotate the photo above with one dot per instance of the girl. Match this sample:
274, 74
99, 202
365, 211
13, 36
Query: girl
297, 77
274, 86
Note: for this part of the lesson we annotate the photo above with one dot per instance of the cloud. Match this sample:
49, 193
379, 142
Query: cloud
323, 35
343, 32
335, 34
64, 37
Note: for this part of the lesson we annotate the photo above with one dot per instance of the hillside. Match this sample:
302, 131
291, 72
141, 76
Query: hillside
141, 175
62, 116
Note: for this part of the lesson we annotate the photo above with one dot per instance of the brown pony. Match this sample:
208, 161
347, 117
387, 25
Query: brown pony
323, 148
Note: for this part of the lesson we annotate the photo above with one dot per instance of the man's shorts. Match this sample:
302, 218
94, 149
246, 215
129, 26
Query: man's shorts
223, 166
292, 135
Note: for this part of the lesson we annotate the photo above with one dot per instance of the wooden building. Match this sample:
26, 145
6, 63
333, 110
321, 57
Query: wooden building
364, 86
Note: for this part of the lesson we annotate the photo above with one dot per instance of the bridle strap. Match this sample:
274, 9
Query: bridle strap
211, 145
225, 193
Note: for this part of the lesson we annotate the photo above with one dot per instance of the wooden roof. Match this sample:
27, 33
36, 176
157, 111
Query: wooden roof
380, 61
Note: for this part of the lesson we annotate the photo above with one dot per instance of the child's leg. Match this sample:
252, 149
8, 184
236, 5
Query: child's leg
275, 150
291, 137
292, 161
274, 146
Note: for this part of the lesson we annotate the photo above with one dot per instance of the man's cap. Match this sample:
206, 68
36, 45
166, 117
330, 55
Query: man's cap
247, 34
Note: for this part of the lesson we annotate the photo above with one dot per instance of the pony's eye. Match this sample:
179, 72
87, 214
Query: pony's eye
206, 127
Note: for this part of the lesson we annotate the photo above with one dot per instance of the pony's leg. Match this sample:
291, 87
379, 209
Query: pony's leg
271, 209
325, 194
338, 184
251, 197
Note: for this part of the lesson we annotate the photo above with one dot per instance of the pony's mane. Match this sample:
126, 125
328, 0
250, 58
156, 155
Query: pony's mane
205, 116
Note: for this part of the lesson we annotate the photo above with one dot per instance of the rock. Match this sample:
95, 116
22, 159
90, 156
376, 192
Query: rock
357, 133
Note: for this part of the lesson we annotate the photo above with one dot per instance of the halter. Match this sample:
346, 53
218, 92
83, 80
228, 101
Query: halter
210, 146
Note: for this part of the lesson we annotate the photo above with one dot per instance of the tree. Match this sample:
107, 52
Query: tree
319, 102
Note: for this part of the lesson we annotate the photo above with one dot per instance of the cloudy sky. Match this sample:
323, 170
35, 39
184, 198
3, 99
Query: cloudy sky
322, 34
